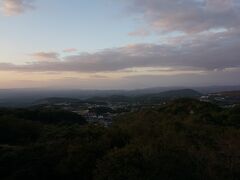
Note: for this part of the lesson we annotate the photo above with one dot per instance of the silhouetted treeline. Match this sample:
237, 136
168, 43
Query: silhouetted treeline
48, 116
186, 139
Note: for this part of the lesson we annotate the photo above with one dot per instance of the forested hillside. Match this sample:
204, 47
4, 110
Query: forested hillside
184, 139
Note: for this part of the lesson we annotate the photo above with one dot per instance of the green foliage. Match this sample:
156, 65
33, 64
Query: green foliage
185, 139
47, 116
14, 130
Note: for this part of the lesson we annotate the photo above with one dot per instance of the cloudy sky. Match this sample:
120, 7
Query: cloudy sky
124, 44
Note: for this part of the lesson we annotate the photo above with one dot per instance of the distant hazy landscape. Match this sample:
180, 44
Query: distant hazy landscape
66, 139
138, 134
27, 97
120, 90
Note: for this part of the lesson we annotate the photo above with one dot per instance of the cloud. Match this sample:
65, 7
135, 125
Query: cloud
96, 76
140, 32
188, 16
221, 78
70, 50
219, 6
45, 56
209, 42
16, 7
205, 52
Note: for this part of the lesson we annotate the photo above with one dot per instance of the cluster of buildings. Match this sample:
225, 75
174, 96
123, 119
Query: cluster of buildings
98, 113
225, 99
93, 117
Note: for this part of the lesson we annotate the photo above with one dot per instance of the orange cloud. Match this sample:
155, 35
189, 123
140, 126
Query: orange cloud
16, 7
45, 56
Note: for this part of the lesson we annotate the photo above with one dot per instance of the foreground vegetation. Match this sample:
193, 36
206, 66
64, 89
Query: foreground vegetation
186, 139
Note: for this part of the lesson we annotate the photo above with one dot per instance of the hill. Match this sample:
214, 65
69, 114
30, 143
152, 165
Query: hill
146, 98
25, 97
56, 100
150, 98
45, 116
184, 139
169, 95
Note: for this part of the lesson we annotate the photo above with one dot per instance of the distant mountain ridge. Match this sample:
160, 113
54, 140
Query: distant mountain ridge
178, 93
56, 100
25, 97
170, 95
157, 97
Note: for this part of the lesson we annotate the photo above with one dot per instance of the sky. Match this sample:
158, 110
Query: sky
124, 44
